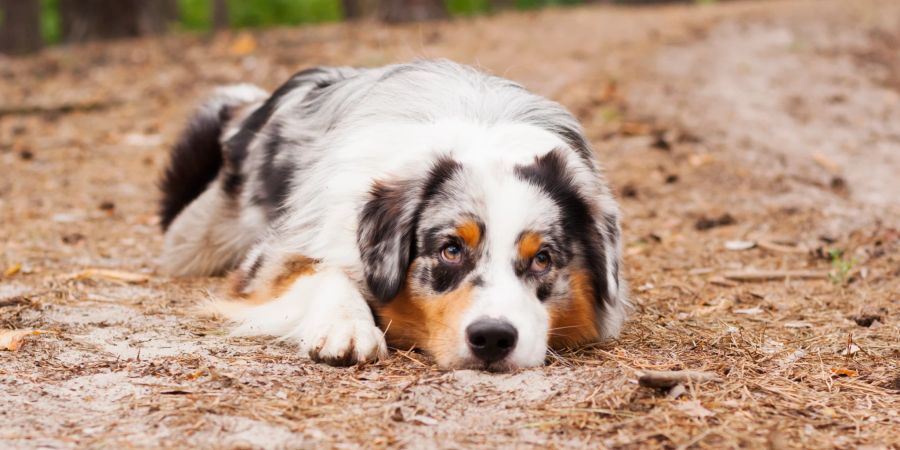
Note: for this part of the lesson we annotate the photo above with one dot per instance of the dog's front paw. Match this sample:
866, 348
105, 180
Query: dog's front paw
347, 343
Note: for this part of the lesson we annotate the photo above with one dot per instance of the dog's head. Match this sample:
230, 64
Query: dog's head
489, 265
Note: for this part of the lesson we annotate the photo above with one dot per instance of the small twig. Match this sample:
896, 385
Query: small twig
775, 247
64, 108
763, 275
14, 301
719, 281
111, 275
669, 379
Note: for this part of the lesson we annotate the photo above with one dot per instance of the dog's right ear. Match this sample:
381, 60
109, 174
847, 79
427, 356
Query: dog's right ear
387, 227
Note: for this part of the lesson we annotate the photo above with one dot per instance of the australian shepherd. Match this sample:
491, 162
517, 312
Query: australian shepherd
424, 205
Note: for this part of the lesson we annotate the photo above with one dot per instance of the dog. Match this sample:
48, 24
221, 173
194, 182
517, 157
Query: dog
427, 205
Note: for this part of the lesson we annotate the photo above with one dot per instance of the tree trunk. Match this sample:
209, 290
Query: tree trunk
86, 20
220, 19
411, 10
20, 29
359, 9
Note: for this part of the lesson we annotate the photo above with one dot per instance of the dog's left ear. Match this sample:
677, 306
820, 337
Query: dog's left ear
591, 219
387, 227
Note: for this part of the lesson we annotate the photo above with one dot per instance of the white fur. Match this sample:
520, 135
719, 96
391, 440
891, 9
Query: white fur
210, 235
505, 297
324, 314
383, 124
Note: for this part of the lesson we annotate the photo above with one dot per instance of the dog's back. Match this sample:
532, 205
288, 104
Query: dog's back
191, 205
244, 152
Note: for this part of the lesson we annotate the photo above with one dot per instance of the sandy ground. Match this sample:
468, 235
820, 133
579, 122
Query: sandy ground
773, 123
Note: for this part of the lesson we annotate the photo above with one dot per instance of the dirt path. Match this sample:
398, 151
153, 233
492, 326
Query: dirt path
776, 123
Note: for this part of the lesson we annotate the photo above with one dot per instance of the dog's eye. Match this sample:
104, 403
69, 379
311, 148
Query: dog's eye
451, 253
540, 263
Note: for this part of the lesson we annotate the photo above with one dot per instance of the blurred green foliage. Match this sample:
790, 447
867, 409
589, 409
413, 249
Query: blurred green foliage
196, 15
467, 7
51, 23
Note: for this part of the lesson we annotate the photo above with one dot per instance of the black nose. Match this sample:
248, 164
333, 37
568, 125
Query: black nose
491, 339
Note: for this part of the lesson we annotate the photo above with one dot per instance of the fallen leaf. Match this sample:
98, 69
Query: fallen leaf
842, 372
698, 160
143, 140
826, 163
789, 360
771, 347
245, 44
749, 311
635, 128
12, 340
68, 217
739, 245
12, 270
677, 391
722, 304
109, 274
693, 408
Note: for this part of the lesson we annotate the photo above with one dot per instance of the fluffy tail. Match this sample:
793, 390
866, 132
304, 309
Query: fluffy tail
196, 158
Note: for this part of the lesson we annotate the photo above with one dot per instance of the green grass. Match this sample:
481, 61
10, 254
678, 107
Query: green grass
840, 267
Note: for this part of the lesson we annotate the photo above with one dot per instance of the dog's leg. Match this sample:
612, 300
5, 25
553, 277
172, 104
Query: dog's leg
318, 308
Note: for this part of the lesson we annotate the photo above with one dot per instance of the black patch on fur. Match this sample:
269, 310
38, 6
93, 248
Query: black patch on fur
387, 227
275, 177
444, 277
254, 268
544, 290
612, 229
447, 277
578, 143
194, 162
549, 173
237, 148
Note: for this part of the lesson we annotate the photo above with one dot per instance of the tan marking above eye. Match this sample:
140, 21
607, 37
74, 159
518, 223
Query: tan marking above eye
470, 233
529, 245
